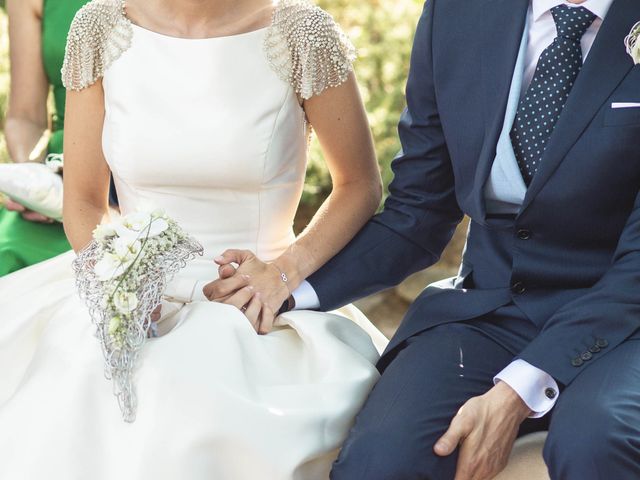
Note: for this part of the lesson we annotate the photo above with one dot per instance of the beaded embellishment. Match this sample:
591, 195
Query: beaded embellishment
303, 45
99, 34
307, 49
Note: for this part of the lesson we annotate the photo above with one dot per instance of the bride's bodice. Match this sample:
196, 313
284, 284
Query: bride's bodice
207, 131
210, 130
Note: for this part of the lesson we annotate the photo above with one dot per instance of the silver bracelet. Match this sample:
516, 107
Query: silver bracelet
283, 276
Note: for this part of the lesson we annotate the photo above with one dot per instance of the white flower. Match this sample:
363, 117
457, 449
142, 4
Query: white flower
158, 226
635, 52
113, 265
114, 324
103, 232
110, 267
159, 213
125, 302
136, 221
126, 249
141, 225
632, 42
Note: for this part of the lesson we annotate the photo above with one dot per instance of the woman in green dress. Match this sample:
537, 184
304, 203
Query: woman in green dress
38, 35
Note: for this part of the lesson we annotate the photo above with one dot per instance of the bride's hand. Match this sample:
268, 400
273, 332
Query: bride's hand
257, 288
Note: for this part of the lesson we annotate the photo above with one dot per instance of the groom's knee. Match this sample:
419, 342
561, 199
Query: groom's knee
391, 455
588, 440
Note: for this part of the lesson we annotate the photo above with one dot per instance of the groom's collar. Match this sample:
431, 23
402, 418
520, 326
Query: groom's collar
597, 7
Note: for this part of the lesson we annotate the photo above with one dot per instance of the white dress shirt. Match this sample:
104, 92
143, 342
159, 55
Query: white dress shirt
536, 388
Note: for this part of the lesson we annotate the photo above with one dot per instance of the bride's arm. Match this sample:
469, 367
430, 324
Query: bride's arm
86, 174
340, 122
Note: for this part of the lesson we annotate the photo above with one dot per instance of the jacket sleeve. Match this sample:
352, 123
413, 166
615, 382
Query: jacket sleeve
421, 212
582, 331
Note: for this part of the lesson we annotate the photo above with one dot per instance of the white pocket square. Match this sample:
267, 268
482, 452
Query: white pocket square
617, 105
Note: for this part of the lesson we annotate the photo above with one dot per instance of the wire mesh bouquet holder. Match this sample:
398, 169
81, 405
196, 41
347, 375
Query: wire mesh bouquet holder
121, 275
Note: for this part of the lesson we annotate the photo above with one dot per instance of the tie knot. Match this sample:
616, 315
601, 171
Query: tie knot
572, 22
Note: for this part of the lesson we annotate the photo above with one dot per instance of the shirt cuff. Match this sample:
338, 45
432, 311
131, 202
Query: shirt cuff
305, 297
535, 387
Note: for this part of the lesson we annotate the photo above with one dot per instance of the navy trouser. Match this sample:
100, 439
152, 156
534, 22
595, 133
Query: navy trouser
594, 430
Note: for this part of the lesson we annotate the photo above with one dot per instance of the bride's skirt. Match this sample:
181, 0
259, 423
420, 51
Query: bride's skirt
215, 400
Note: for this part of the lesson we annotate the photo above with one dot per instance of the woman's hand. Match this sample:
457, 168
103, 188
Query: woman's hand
257, 288
26, 213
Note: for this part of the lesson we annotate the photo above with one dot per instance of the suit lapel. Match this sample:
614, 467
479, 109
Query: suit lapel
605, 67
503, 24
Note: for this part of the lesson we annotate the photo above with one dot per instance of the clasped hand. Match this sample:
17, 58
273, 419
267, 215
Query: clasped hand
254, 287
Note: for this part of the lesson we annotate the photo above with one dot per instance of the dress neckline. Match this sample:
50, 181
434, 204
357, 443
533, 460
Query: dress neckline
172, 37
205, 39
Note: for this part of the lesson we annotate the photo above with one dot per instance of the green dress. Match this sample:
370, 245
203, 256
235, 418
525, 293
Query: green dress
23, 243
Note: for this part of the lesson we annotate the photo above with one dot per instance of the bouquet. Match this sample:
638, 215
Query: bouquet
122, 275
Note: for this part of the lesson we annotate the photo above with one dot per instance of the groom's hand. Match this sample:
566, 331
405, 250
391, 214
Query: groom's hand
484, 429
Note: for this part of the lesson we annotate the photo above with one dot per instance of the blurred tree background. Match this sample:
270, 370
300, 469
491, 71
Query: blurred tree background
382, 31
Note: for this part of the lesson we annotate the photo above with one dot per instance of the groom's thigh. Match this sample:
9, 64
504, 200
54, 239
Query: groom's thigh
595, 426
412, 405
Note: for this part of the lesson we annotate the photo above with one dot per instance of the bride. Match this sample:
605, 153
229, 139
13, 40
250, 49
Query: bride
202, 108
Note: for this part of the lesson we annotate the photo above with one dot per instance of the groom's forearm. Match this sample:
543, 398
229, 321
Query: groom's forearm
378, 258
579, 333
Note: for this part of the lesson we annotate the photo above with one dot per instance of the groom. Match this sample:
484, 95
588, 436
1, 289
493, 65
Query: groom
525, 116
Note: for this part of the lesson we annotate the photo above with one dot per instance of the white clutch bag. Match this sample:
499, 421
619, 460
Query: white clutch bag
34, 185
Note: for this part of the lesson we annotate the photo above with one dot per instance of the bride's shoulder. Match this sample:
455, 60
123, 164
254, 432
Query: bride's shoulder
307, 48
99, 34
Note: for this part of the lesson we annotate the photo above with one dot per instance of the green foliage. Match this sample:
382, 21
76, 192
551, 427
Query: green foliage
382, 31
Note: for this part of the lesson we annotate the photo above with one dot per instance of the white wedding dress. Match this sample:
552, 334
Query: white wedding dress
212, 132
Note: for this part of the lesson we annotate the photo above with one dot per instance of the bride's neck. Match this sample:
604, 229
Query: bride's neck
194, 18
193, 11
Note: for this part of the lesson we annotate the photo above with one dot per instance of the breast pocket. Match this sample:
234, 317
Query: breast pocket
620, 117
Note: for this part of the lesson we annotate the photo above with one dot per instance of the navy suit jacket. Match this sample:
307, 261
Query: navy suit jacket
571, 259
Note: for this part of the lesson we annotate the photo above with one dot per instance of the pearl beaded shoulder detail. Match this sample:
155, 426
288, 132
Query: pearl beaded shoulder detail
307, 48
303, 45
99, 34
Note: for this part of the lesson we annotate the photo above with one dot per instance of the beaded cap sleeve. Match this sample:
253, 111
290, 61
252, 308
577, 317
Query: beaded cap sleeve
99, 34
307, 48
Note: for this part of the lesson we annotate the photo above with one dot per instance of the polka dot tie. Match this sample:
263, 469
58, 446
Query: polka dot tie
556, 72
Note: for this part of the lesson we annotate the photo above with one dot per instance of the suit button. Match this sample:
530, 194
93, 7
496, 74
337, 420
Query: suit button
594, 349
550, 393
602, 343
524, 234
586, 356
577, 362
518, 288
